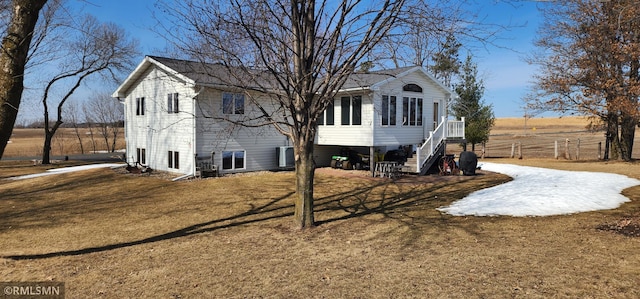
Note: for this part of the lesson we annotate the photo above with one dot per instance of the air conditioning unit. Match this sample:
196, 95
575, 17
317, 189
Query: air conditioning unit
285, 157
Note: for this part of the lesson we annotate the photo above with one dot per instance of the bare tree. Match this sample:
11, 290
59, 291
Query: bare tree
590, 64
92, 48
90, 122
108, 114
73, 112
16, 40
305, 52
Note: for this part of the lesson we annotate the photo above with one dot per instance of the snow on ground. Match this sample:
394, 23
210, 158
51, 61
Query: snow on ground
543, 192
66, 169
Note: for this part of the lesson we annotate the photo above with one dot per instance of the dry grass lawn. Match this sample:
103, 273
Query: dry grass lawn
112, 235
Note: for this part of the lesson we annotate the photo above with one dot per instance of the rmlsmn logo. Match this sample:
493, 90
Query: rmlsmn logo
39, 290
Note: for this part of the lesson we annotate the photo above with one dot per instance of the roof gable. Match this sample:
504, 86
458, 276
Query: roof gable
376, 79
138, 72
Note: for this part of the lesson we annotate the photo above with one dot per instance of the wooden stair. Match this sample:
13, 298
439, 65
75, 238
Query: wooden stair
410, 166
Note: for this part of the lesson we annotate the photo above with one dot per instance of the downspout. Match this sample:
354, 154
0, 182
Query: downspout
194, 130
372, 153
126, 132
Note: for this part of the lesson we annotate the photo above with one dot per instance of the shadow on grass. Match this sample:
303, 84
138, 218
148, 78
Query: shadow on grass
391, 202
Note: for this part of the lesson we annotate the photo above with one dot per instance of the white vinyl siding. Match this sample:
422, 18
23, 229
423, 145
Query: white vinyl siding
377, 128
155, 131
258, 144
416, 127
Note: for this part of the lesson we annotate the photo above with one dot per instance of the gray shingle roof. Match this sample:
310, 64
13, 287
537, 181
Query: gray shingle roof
214, 73
218, 74
364, 80
221, 76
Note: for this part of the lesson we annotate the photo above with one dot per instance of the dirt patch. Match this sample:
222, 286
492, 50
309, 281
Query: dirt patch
629, 227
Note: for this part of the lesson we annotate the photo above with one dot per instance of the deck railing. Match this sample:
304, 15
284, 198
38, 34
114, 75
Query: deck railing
455, 129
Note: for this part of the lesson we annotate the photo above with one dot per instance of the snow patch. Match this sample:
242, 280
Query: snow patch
538, 191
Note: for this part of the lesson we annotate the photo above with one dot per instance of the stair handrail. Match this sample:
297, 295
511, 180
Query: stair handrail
427, 149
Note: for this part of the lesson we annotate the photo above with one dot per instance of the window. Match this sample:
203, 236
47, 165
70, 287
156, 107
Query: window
172, 103
412, 88
174, 159
327, 117
351, 110
411, 111
436, 112
232, 103
233, 160
388, 110
141, 156
139, 106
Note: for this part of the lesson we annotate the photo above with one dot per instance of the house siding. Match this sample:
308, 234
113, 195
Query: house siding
349, 135
215, 135
158, 131
372, 132
404, 135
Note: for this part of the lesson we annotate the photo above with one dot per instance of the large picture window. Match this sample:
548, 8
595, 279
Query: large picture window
388, 110
233, 160
351, 110
327, 117
411, 111
140, 106
172, 103
232, 103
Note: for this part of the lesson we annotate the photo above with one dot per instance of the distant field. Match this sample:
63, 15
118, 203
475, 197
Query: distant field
537, 138
29, 142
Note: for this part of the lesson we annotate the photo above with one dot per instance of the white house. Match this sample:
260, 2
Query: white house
176, 111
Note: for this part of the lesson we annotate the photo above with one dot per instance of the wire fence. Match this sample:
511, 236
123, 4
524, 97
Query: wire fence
582, 145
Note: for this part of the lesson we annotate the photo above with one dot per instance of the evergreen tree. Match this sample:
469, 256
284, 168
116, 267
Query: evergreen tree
479, 117
446, 61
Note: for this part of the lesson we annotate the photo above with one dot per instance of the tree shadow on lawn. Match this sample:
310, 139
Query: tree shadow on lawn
394, 201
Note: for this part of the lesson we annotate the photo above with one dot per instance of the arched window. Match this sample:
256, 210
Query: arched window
412, 87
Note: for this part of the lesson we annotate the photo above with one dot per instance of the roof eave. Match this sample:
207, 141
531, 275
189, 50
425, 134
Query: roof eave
123, 89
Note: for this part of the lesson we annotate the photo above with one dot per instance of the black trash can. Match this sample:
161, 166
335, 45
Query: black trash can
468, 163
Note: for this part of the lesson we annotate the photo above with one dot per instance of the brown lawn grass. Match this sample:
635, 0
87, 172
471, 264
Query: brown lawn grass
112, 235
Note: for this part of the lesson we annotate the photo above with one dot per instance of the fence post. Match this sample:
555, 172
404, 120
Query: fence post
567, 155
555, 150
578, 149
599, 150
484, 150
513, 150
520, 150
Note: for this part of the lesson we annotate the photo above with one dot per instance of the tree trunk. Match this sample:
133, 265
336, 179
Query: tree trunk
115, 138
614, 142
46, 149
77, 131
48, 138
305, 172
627, 133
15, 48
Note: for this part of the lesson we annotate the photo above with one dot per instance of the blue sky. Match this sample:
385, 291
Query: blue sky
505, 74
